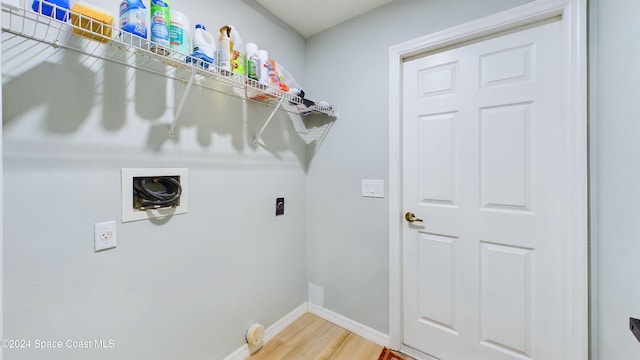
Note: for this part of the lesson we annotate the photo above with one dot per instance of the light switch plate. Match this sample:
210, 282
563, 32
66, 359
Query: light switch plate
373, 188
104, 236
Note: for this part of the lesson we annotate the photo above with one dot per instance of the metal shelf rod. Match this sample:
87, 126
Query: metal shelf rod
255, 139
172, 132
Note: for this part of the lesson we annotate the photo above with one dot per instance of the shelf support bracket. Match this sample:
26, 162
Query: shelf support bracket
255, 139
172, 132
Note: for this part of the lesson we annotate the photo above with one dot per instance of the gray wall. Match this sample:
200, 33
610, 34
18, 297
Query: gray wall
348, 237
183, 288
615, 175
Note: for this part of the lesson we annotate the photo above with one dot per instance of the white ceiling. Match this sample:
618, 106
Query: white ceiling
309, 17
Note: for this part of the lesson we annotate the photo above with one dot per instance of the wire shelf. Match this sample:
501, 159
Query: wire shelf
63, 28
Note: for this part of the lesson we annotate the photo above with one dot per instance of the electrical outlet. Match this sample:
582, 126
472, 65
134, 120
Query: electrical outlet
104, 236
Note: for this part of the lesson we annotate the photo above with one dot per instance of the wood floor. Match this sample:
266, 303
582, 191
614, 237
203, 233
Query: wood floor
313, 338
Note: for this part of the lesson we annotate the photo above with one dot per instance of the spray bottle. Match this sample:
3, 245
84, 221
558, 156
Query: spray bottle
238, 52
224, 49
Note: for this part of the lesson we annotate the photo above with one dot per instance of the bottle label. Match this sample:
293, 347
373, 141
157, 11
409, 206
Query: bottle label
253, 68
176, 35
224, 61
133, 20
159, 28
238, 60
160, 22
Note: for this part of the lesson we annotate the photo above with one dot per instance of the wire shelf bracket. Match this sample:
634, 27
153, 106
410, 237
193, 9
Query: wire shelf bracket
257, 137
172, 128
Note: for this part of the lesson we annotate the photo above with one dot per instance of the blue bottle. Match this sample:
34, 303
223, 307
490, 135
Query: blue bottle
133, 17
59, 11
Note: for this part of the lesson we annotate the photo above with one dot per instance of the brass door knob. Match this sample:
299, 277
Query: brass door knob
411, 217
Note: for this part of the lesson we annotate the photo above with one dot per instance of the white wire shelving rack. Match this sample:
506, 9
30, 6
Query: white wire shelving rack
62, 28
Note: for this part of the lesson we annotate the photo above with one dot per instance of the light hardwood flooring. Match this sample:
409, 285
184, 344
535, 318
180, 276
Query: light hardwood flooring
313, 338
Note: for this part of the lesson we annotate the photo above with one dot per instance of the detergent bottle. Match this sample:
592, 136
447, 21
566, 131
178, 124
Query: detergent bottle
224, 49
238, 53
204, 46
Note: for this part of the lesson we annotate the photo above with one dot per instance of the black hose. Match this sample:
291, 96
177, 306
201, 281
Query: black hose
167, 196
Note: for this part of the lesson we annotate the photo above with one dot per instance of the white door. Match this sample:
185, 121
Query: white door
483, 151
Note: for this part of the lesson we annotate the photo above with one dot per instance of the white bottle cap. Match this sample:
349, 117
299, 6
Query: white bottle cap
251, 48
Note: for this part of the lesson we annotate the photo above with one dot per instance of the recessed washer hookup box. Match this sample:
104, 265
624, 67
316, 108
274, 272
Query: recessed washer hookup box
634, 325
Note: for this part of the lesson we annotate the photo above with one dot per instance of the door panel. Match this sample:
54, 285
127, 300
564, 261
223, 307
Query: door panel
483, 154
437, 170
505, 312
505, 157
436, 267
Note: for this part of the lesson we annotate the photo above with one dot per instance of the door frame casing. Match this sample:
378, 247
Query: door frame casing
572, 14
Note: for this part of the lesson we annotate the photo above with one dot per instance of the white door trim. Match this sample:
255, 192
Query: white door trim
1, 210
573, 17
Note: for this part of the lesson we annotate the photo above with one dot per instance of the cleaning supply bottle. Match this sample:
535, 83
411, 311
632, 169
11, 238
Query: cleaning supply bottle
204, 46
179, 32
263, 57
54, 8
274, 77
133, 18
238, 52
224, 49
253, 62
160, 21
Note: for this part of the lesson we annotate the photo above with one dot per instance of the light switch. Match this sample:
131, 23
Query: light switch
373, 188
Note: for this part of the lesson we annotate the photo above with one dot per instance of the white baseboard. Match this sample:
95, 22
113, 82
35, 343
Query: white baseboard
243, 352
287, 320
351, 325
355, 327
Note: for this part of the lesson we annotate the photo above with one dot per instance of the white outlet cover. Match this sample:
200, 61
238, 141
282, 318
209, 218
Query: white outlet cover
104, 236
131, 214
